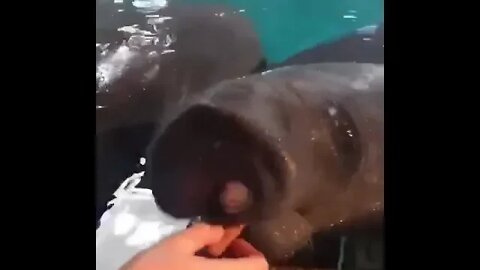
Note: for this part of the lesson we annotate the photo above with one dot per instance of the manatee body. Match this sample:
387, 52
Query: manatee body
363, 46
166, 56
307, 141
149, 64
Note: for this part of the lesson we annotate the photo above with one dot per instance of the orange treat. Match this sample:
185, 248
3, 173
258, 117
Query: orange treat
239, 248
231, 233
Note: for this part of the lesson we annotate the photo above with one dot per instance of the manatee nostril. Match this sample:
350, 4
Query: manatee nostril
235, 197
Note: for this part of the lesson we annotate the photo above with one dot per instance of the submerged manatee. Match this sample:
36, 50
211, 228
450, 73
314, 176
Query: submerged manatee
306, 142
363, 46
152, 63
170, 54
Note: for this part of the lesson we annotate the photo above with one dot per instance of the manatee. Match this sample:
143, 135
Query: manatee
306, 141
170, 54
363, 46
152, 63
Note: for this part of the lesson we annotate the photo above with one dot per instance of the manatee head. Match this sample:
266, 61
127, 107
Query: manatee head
214, 164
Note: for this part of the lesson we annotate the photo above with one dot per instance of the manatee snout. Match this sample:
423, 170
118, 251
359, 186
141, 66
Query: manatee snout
211, 163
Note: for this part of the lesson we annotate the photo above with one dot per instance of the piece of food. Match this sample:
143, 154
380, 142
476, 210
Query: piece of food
231, 233
240, 248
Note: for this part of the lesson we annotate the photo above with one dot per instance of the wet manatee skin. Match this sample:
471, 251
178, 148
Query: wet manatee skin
321, 124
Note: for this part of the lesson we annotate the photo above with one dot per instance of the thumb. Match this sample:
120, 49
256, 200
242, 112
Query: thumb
194, 238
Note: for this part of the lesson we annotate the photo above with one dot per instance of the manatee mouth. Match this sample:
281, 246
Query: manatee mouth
191, 163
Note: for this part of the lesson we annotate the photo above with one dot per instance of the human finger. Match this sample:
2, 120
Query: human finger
194, 238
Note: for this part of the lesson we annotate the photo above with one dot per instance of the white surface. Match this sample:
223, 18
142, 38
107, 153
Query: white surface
133, 223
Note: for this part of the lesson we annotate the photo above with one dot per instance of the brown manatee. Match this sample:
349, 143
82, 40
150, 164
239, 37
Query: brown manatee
305, 141
152, 61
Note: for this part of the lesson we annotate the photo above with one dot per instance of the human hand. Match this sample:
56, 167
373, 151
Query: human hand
178, 253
